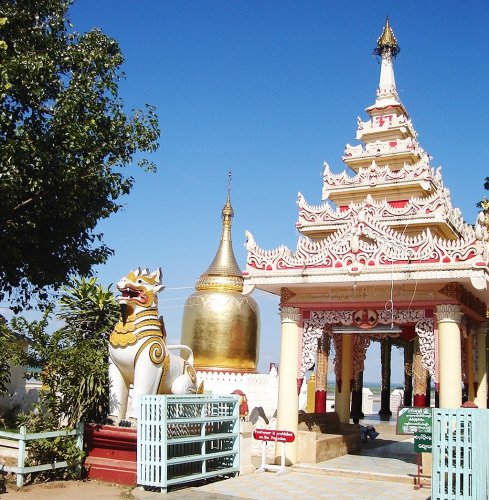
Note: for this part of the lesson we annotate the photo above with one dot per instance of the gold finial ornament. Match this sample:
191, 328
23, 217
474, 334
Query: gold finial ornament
224, 273
220, 324
387, 41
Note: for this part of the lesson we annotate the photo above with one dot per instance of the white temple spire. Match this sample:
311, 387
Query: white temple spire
387, 49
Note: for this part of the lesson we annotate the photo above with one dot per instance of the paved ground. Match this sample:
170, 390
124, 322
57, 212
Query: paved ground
293, 485
385, 469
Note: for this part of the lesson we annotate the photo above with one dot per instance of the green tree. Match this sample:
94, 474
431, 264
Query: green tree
7, 340
65, 139
11, 346
74, 358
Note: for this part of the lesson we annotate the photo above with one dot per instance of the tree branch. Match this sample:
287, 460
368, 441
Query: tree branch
23, 204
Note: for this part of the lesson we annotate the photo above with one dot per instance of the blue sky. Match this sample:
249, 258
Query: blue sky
270, 90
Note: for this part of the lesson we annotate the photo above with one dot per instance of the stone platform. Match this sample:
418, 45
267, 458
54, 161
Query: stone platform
322, 437
111, 453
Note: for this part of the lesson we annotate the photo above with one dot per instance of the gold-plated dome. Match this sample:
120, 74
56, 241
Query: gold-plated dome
219, 323
387, 41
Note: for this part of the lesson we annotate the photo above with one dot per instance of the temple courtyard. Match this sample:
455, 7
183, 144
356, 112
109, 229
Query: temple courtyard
385, 468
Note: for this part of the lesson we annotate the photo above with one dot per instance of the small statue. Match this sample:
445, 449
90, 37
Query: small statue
138, 353
243, 404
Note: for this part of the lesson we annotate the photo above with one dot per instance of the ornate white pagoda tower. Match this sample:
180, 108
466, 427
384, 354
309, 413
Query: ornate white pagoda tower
385, 257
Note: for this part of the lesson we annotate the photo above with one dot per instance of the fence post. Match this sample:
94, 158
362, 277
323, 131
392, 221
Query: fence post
79, 444
21, 458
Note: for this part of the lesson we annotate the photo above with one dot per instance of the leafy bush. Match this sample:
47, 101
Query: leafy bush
9, 349
4, 360
46, 451
74, 359
74, 362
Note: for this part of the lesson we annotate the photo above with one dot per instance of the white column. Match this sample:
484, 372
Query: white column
342, 398
481, 398
450, 355
288, 399
387, 83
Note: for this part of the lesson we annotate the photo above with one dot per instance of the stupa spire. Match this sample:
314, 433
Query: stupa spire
224, 273
387, 48
220, 324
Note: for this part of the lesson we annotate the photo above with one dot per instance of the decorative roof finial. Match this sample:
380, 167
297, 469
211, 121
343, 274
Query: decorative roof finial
227, 211
224, 273
387, 41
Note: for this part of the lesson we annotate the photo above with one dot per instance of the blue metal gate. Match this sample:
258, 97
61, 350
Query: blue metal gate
186, 438
460, 454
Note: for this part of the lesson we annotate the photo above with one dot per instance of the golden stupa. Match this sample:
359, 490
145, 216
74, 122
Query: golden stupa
220, 324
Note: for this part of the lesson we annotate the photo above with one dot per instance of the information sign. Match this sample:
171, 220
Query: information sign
422, 442
274, 435
412, 420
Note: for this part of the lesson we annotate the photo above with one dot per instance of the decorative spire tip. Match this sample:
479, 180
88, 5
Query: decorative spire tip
387, 41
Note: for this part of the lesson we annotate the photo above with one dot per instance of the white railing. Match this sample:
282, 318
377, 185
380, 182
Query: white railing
22, 437
186, 438
460, 459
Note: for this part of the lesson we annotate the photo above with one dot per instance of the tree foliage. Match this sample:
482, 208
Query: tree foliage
9, 348
74, 358
65, 138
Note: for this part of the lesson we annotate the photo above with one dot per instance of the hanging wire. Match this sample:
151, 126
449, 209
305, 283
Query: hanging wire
389, 305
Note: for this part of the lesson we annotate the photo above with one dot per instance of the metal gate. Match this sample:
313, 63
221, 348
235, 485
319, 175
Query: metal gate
460, 454
186, 438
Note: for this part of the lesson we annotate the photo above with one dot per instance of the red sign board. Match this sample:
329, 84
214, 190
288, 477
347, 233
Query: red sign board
274, 435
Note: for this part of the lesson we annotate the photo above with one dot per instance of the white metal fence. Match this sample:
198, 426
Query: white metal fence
460, 454
186, 438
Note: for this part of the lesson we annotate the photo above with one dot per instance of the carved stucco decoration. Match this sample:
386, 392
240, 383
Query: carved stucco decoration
375, 175
337, 345
365, 318
318, 321
377, 148
286, 294
290, 314
449, 312
361, 343
365, 242
425, 332
383, 122
459, 292
437, 206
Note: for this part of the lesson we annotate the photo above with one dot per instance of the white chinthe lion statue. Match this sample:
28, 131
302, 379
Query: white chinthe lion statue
138, 353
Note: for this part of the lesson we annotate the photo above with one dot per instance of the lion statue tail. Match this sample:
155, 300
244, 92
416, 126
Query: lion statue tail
182, 347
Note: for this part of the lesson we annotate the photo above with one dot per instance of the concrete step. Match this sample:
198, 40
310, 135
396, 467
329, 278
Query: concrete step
356, 474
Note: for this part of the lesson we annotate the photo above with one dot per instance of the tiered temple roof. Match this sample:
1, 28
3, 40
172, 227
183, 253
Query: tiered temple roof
390, 220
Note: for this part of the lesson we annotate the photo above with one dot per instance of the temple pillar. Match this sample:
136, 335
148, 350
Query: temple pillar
342, 394
385, 394
469, 366
311, 394
450, 355
357, 396
322, 372
420, 377
481, 395
428, 388
288, 399
408, 374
